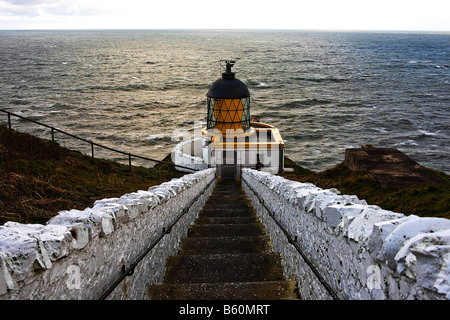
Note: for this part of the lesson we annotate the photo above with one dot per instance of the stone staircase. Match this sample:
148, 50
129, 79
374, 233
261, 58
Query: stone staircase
226, 256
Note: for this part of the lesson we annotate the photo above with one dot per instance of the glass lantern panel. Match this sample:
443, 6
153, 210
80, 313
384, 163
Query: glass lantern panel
210, 118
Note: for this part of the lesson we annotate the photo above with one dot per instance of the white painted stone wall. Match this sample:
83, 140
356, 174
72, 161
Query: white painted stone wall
189, 153
197, 154
78, 254
362, 251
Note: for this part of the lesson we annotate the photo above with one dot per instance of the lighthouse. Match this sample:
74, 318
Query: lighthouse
232, 141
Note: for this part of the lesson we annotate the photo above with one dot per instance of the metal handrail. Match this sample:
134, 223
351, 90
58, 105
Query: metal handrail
53, 129
296, 246
126, 272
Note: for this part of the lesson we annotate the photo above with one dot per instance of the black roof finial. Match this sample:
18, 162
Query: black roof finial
228, 65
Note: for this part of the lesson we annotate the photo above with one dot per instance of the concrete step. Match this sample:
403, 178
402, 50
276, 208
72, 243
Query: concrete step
224, 197
220, 196
226, 220
225, 193
225, 245
248, 267
268, 290
223, 230
222, 212
226, 206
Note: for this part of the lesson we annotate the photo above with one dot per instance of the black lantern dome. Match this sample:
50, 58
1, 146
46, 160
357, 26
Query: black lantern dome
228, 87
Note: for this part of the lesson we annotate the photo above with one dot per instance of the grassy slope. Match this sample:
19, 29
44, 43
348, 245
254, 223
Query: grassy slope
421, 200
38, 178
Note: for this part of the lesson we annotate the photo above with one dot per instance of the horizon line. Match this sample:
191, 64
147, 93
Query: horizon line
235, 29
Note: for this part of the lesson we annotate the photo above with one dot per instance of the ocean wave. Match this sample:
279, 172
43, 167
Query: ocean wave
128, 87
133, 116
408, 142
18, 102
321, 80
60, 106
251, 83
306, 103
155, 136
428, 133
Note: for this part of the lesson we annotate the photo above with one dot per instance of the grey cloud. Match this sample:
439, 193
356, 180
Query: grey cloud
32, 8
7, 8
31, 3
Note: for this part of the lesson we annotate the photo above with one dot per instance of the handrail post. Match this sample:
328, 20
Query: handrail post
53, 134
129, 161
9, 121
92, 149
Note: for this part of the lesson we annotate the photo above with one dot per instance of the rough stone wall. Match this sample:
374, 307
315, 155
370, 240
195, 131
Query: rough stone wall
78, 254
361, 250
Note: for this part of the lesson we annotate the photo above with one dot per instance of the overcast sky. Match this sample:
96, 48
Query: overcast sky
430, 15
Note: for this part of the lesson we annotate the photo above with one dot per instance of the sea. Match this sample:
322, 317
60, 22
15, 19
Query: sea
136, 90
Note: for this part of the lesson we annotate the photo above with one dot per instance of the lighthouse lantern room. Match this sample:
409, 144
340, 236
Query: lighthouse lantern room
228, 104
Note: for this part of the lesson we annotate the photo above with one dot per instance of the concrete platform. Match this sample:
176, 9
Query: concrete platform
266, 290
389, 166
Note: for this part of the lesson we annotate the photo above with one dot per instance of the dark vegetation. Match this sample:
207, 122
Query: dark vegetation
39, 178
421, 200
